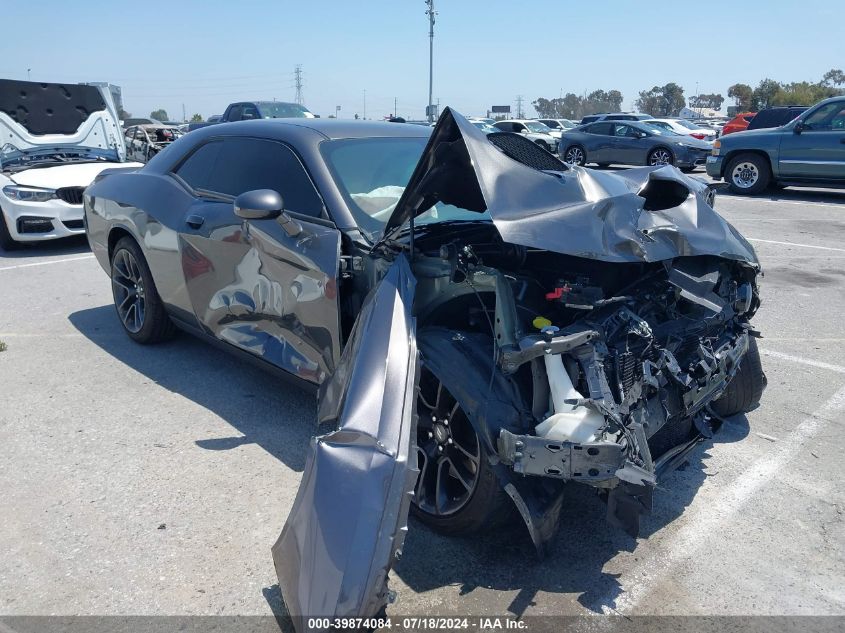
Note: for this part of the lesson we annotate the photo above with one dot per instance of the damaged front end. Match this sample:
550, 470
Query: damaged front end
602, 317
629, 378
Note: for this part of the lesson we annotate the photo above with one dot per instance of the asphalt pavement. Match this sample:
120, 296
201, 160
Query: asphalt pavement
153, 480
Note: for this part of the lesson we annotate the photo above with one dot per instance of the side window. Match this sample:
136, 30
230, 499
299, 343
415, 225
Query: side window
601, 127
621, 130
196, 170
235, 113
234, 165
518, 127
250, 112
828, 118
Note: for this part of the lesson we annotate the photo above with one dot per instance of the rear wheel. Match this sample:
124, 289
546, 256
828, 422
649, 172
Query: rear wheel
748, 174
139, 307
660, 156
6, 241
746, 388
575, 155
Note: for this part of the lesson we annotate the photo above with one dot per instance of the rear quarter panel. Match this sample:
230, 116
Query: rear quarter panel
150, 207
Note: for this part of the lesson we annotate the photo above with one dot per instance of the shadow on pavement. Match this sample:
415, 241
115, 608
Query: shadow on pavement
503, 559
280, 419
64, 246
266, 411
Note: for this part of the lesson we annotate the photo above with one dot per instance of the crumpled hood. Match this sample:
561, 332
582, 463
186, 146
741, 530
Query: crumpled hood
71, 175
643, 214
43, 116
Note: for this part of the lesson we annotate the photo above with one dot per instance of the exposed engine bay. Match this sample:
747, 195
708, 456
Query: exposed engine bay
618, 362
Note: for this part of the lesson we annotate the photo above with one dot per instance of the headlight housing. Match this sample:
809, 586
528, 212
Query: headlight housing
23, 193
717, 144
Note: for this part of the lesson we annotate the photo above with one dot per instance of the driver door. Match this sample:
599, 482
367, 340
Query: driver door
628, 147
818, 151
250, 282
348, 521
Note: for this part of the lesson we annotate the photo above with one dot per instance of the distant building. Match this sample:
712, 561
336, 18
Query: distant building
700, 113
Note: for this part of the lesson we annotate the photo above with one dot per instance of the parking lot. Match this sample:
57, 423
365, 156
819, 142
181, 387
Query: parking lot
149, 481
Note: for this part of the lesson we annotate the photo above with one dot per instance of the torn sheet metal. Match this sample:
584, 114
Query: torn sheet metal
349, 519
580, 212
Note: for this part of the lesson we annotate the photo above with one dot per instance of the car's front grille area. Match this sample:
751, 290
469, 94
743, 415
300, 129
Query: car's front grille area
71, 195
74, 224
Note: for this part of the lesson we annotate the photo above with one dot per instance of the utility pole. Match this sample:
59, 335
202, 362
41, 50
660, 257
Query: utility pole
298, 77
519, 114
184, 117
430, 12
395, 107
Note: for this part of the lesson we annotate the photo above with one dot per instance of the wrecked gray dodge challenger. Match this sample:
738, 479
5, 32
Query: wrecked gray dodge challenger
483, 323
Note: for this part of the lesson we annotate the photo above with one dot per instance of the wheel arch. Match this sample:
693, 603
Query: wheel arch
116, 233
736, 152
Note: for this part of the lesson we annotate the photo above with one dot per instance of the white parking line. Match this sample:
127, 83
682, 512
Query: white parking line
52, 261
821, 248
803, 361
706, 520
796, 202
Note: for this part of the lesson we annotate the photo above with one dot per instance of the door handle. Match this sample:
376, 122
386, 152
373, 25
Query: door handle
194, 221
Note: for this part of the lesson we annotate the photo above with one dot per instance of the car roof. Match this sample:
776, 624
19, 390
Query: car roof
328, 128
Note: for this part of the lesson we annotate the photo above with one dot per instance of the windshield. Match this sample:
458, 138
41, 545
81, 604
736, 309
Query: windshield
276, 110
536, 126
371, 174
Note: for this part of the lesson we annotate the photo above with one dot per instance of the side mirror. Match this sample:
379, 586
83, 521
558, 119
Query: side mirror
259, 204
798, 127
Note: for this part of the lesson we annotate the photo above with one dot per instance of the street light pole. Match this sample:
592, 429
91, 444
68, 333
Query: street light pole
431, 13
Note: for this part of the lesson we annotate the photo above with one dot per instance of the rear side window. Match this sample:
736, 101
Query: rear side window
231, 166
600, 128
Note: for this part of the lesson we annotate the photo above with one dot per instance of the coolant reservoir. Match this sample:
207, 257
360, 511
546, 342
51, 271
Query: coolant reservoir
568, 423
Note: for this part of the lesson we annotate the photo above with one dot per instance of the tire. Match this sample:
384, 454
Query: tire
746, 388
660, 156
465, 509
603, 164
6, 241
575, 155
687, 170
137, 303
748, 174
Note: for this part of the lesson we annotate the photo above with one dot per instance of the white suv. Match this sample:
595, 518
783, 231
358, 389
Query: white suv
541, 134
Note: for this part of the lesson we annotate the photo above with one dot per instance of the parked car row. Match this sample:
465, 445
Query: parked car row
632, 142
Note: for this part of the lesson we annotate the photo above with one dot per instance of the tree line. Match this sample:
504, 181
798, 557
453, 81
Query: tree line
668, 100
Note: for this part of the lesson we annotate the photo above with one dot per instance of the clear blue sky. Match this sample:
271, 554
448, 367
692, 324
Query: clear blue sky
206, 54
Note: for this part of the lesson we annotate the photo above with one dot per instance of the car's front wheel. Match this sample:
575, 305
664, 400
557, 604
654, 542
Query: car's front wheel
745, 389
748, 174
138, 304
457, 491
575, 155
